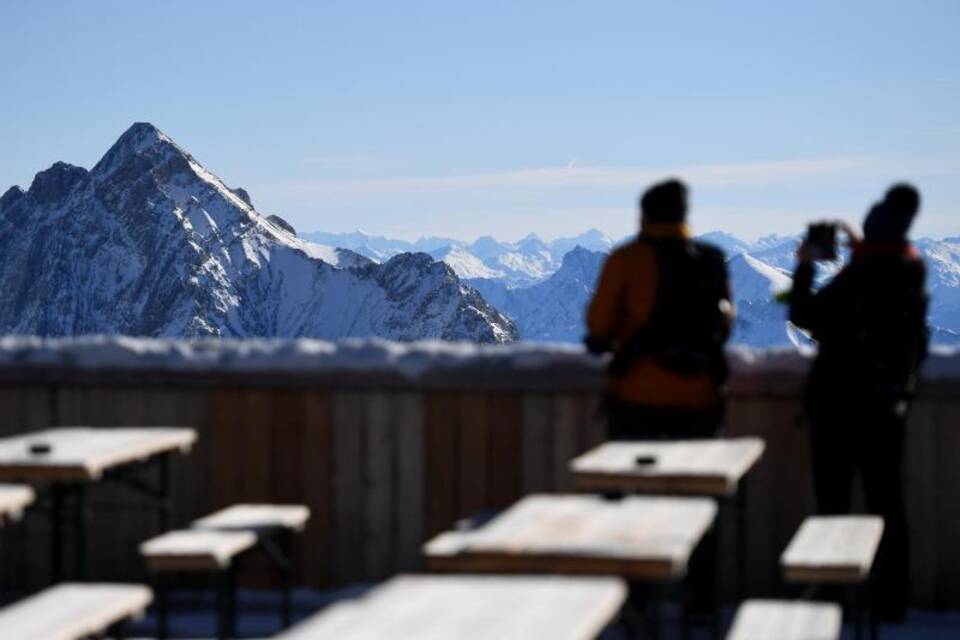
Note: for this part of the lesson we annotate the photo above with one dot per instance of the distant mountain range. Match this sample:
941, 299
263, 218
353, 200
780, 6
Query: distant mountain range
544, 287
148, 242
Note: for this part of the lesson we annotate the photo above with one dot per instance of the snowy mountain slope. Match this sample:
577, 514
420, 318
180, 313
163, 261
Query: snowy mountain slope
552, 310
761, 320
150, 243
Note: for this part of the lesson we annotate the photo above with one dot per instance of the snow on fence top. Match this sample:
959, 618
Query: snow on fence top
362, 357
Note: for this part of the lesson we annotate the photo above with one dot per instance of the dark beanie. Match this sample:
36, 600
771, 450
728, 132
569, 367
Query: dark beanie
665, 202
890, 220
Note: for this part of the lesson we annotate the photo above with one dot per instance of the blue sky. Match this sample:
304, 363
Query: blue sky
461, 119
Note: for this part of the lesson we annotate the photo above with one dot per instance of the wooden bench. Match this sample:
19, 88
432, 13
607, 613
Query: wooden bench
832, 549
786, 620
214, 544
447, 607
835, 550
72, 611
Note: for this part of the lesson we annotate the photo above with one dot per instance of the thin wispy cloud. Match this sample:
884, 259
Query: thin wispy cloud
577, 176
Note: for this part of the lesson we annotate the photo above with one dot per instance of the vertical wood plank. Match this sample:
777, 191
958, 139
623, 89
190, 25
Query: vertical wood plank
536, 443
505, 449
442, 462
921, 495
410, 476
317, 471
566, 418
474, 444
379, 484
948, 501
348, 437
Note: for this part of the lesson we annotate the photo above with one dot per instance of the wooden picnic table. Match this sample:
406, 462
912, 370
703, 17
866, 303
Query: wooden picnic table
464, 607
836, 549
794, 620
14, 498
708, 467
637, 537
68, 459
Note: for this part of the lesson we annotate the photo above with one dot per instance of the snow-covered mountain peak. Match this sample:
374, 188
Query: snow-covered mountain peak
756, 280
150, 242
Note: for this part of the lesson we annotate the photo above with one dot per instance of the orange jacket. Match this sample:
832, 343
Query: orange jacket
622, 304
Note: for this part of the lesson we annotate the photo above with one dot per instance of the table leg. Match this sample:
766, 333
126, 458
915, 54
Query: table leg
56, 532
165, 495
741, 533
160, 586
80, 523
286, 607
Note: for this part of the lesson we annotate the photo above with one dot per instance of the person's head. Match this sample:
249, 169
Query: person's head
664, 202
890, 220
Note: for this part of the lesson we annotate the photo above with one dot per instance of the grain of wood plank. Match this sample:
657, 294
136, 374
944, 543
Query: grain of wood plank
474, 443
921, 468
73, 611
287, 431
410, 475
378, 493
453, 607
536, 443
786, 620
641, 537
349, 426
832, 549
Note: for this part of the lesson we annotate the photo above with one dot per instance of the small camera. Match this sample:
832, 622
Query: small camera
821, 241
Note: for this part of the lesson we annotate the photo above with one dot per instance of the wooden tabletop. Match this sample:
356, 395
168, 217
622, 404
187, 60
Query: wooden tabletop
256, 517
14, 498
711, 467
638, 537
84, 453
465, 607
195, 549
832, 549
72, 611
786, 620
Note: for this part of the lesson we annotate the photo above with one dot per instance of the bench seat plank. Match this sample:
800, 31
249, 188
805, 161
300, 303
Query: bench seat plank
465, 607
255, 517
786, 620
838, 549
14, 498
195, 549
84, 453
641, 537
711, 467
71, 611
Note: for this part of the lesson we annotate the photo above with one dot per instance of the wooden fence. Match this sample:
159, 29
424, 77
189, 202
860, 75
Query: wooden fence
383, 465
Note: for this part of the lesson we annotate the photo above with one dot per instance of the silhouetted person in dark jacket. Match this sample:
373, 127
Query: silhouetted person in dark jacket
870, 323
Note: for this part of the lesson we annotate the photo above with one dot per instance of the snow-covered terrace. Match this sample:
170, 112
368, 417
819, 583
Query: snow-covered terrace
390, 443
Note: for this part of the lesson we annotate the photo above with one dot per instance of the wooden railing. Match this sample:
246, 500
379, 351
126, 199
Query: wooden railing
386, 460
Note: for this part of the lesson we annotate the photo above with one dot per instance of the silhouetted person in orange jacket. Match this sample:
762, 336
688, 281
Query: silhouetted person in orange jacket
870, 323
662, 306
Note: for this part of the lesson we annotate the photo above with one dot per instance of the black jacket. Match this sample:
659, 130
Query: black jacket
870, 323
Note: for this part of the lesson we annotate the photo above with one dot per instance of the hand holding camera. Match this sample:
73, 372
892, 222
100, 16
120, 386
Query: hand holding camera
821, 241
